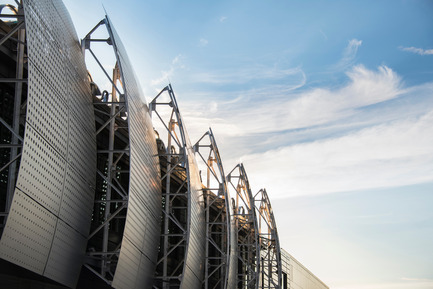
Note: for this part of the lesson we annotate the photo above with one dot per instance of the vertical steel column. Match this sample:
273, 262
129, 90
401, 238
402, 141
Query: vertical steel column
171, 123
17, 112
176, 171
180, 242
217, 199
110, 168
270, 267
248, 236
103, 261
207, 213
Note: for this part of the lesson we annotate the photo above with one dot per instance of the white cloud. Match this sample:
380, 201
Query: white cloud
388, 155
392, 148
203, 42
176, 64
250, 73
349, 54
417, 279
352, 47
416, 284
416, 50
258, 119
364, 145
323, 34
223, 19
280, 110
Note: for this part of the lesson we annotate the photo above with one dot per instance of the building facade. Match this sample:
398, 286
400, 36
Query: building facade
296, 276
92, 196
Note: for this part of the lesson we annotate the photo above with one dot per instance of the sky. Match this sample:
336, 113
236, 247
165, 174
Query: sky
329, 105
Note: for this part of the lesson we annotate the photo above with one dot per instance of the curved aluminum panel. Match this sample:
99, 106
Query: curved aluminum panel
231, 234
270, 253
195, 243
217, 194
49, 220
193, 270
139, 251
247, 234
233, 261
193, 226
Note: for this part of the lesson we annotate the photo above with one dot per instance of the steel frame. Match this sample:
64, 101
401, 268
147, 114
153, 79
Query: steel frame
218, 227
19, 114
270, 252
176, 199
245, 220
114, 202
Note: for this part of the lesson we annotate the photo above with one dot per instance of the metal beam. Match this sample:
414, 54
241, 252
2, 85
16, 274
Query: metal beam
12, 32
16, 113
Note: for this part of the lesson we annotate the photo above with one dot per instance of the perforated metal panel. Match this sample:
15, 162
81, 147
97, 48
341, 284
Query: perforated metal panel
140, 242
193, 271
27, 237
65, 255
49, 220
233, 269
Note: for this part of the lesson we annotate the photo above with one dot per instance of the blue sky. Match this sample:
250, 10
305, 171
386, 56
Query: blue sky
329, 104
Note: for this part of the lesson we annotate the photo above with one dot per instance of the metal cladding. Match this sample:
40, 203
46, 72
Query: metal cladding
183, 232
193, 270
49, 219
270, 251
219, 230
295, 275
246, 223
99, 192
140, 242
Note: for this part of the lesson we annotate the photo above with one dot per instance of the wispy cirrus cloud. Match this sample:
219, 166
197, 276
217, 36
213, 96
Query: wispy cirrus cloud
352, 48
281, 110
223, 19
203, 42
416, 50
346, 156
176, 64
249, 73
349, 54
375, 157
405, 283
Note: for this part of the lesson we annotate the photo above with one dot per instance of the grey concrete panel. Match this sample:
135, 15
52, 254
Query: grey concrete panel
58, 164
138, 253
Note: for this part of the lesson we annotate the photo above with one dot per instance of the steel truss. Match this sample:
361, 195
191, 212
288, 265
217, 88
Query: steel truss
111, 196
218, 226
14, 89
176, 192
270, 253
245, 220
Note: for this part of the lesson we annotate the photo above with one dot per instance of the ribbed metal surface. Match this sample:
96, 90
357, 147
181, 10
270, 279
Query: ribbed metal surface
245, 221
233, 268
195, 255
140, 242
195, 241
49, 219
296, 276
270, 251
233, 256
